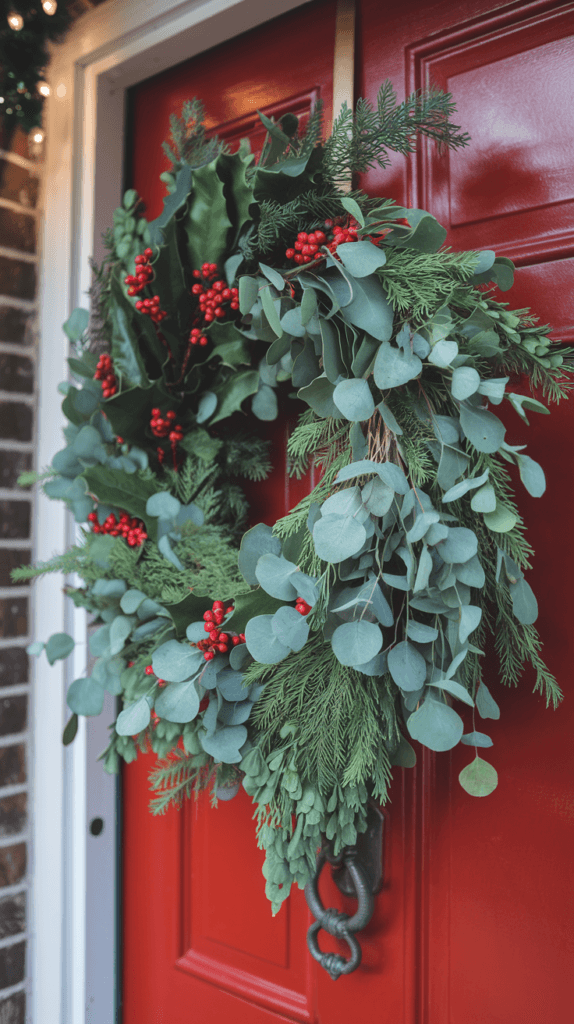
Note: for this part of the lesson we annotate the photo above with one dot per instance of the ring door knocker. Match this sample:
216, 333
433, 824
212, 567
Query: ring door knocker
357, 871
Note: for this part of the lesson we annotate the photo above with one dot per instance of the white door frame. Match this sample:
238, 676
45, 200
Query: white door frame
73, 948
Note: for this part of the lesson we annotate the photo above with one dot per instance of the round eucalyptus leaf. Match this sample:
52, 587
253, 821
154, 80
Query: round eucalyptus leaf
163, 505
174, 662
178, 702
361, 258
353, 398
482, 428
443, 353
195, 631
532, 475
484, 500
225, 744
421, 633
59, 646
502, 520
403, 756
435, 725
394, 367
454, 688
470, 616
134, 718
460, 545
338, 537
355, 643
377, 496
470, 572
99, 642
290, 627
476, 739
465, 382
120, 629
524, 603
235, 713
231, 685
485, 261
343, 503
262, 643
85, 697
276, 575
479, 778
264, 404
407, 666
256, 542
35, 648
485, 703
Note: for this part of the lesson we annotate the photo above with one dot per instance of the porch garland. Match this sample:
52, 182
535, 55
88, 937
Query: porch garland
301, 658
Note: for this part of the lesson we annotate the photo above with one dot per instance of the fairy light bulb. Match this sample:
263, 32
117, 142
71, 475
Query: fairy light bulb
37, 136
44, 89
16, 20
49, 6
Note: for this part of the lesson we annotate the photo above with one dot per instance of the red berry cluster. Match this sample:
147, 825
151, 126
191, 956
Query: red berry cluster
132, 530
150, 307
150, 672
143, 276
105, 373
306, 248
144, 273
302, 607
166, 427
217, 642
213, 295
197, 337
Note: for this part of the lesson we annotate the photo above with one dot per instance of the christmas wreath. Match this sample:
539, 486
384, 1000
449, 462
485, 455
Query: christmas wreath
299, 659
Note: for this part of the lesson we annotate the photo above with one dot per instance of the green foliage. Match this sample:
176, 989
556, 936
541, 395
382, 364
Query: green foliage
362, 615
188, 142
361, 138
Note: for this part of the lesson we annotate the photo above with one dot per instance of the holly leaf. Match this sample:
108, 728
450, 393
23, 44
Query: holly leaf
127, 491
207, 223
233, 392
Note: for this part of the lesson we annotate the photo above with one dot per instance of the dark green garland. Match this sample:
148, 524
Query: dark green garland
24, 56
361, 617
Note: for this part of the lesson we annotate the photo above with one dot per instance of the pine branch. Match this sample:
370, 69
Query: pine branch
360, 140
189, 142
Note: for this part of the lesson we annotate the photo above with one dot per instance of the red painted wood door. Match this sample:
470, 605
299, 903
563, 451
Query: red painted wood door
474, 923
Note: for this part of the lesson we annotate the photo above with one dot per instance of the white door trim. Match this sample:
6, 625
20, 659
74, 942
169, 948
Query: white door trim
73, 921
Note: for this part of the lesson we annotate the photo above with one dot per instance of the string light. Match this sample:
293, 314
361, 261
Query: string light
49, 6
16, 20
44, 88
37, 136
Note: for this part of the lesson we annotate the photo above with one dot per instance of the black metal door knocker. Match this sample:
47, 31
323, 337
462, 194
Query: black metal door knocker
357, 871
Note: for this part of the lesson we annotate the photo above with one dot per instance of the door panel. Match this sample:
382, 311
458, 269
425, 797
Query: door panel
473, 924
496, 893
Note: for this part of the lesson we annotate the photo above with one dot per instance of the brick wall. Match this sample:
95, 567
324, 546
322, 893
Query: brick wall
18, 198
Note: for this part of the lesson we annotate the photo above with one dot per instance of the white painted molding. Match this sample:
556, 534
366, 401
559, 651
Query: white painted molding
72, 955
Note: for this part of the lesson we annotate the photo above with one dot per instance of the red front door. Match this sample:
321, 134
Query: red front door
474, 921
